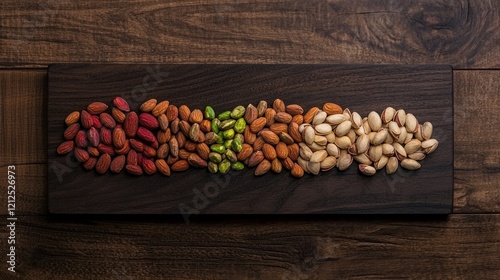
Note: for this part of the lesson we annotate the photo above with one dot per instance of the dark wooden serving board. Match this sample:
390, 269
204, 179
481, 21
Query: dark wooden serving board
426, 91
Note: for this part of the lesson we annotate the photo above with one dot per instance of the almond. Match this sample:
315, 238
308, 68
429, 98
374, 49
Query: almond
65, 147
248, 136
81, 139
145, 134
107, 120
149, 151
196, 161
162, 151
293, 151
297, 171
118, 137
294, 109
258, 124
162, 167
131, 124
134, 169
71, 131
332, 108
269, 115
148, 166
276, 165
196, 116
121, 104
160, 108
103, 163
298, 119
86, 119
180, 165
95, 108
117, 164
285, 137
246, 152
278, 128
172, 113
269, 152
279, 105
132, 157
190, 146
93, 151
173, 146
106, 149
96, 122
163, 136
124, 149
183, 154
93, 136
293, 131
205, 126
203, 150
255, 158
281, 150
118, 115
136, 145
148, 121
269, 137
90, 163
174, 125
106, 136
148, 105
184, 113
283, 117
184, 126
181, 139
72, 118
258, 143
163, 122
251, 114
263, 167
172, 159
287, 163
309, 116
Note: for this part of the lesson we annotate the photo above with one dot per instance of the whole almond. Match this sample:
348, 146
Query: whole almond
96, 122
145, 134
297, 171
278, 128
251, 114
183, 154
293, 131
279, 105
205, 126
93, 137
248, 136
162, 151
332, 108
196, 161
269, 115
190, 146
180, 165
258, 124
106, 149
148, 105
269, 137
171, 159
298, 119
184, 126
174, 125
136, 145
263, 167
174, 146
294, 109
71, 131
81, 139
281, 150
65, 147
163, 136
255, 158
269, 152
184, 113
293, 151
160, 108
148, 121
132, 157
149, 151
103, 163
181, 139
309, 116
246, 152
117, 164
258, 143
86, 119
72, 118
107, 120
196, 116
95, 108
162, 167
172, 113
163, 122
276, 165
118, 137
124, 149
285, 137
118, 115
131, 124
287, 163
148, 166
121, 104
203, 150
134, 169
93, 151
90, 163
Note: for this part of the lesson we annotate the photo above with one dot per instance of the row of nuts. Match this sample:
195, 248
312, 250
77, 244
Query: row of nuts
375, 142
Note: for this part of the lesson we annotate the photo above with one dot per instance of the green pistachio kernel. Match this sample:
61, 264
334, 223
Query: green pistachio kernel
240, 125
224, 166
238, 112
228, 134
224, 116
237, 166
218, 148
209, 113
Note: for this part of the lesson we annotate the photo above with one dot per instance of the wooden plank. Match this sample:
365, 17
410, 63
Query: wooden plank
460, 247
462, 33
477, 157
422, 90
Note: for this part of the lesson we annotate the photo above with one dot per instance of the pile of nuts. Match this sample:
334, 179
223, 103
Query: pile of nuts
163, 138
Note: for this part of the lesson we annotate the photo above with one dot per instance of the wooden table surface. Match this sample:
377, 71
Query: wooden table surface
464, 34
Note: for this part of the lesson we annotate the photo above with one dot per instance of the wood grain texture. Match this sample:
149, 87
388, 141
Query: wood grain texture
461, 247
426, 91
477, 112
463, 33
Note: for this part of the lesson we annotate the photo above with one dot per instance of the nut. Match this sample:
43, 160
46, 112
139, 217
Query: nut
71, 131
269, 115
95, 108
297, 171
148, 105
172, 113
269, 152
294, 109
251, 114
180, 165
90, 163
283, 117
261, 108
367, 169
148, 121
269, 137
121, 104
255, 158
281, 150
258, 125
162, 167
145, 134
159, 109
410, 164
81, 155
72, 118
103, 163
117, 164
134, 169
93, 136
86, 119
118, 115
118, 138
196, 161
184, 113
263, 167
279, 105
196, 116
308, 117
332, 108
81, 139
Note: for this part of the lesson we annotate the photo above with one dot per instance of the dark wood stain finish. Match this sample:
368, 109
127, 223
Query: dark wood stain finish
425, 91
